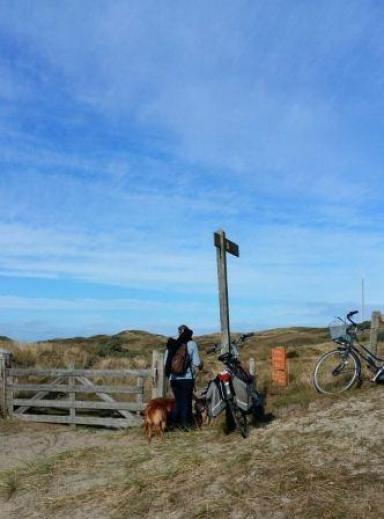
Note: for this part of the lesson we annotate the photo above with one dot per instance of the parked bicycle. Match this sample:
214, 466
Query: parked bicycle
234, 391
340, 369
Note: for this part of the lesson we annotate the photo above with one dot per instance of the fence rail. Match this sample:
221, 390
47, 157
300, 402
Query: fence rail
62, 393
116, 373
77, 404
67, 388
116, 423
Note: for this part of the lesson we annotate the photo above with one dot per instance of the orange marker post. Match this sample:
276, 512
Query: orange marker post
279, 367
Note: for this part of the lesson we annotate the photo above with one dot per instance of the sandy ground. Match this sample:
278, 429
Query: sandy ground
23, 444
348, 433
20, 443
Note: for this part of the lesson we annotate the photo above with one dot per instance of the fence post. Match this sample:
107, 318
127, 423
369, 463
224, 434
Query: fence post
10, 396
252, 369
251, 365
4, 363
72, 398
140, 394
158, 378
375, 323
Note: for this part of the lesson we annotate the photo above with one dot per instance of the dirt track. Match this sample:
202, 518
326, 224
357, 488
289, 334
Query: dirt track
24, 443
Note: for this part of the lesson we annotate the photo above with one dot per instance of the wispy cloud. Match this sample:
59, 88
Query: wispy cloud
130, 131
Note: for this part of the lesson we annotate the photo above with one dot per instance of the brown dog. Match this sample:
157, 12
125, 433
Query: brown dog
156, 414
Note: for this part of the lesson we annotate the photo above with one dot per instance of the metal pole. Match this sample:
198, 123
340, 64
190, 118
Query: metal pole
223, 293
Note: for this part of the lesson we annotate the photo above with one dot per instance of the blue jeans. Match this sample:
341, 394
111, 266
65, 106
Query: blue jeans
182, 410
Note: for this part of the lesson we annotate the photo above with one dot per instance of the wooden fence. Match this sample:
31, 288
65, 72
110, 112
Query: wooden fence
57, 401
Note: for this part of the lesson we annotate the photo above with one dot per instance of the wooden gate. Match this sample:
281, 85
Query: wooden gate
78, 396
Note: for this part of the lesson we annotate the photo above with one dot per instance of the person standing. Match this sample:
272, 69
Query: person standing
181, 363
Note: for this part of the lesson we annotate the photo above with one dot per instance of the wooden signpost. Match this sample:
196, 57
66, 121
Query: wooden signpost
223, 245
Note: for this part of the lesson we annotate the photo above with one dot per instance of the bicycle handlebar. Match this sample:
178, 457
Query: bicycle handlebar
351, 314
238, 342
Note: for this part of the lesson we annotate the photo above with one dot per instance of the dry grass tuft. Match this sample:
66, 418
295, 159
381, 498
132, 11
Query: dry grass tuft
9, 483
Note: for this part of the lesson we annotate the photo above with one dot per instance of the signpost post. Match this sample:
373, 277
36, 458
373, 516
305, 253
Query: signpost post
223, 245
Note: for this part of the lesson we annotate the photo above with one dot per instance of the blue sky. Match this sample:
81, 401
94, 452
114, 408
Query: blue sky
131, 130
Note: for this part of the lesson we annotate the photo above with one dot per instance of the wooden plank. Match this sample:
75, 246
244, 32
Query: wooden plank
117, 373
140, 392
10, 397
230, 246
3, 387
79, 404
72, 399
108, 398
375, 324
65, 388
155, 355
38, 396
79, 420
158, 377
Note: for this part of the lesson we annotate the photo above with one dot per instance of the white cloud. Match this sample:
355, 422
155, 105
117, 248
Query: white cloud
89, 305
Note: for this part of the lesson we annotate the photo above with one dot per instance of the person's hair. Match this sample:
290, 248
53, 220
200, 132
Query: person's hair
185, 335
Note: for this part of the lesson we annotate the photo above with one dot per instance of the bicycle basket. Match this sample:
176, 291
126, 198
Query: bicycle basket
337, 330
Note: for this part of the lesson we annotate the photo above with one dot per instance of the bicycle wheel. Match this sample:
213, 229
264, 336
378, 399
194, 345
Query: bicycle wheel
236, 418
336, 371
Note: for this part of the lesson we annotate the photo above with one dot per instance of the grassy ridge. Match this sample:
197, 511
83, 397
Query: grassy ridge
134, 344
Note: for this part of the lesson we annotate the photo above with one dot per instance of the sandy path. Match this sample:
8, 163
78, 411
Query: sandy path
27, 442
